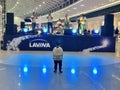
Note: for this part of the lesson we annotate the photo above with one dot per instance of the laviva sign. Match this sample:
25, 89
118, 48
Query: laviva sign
39, 43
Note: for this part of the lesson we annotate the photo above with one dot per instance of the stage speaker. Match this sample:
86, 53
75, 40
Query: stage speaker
10, 18
11, 29
22, 25
108, 28
27, 20
67, 31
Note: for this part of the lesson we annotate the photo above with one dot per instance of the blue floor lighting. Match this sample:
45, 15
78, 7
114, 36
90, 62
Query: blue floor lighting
73, 71
25, 69
95, 71
44, 70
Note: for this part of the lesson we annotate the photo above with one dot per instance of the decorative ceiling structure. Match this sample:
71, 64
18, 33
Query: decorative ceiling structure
24, 8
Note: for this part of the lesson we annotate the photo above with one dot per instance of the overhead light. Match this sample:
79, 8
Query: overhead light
111, 0
36, 8
68, 10
82, 5
43, 2
75, 8
40, 5
17, 2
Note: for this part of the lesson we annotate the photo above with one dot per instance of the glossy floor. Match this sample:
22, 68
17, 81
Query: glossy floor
81, 71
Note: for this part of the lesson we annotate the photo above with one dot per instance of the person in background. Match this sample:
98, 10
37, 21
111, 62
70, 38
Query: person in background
40, 22
34, 17
66, 22
88, 32
116, 32
82, 23
78, 21
57, 56
50, 24
59, 27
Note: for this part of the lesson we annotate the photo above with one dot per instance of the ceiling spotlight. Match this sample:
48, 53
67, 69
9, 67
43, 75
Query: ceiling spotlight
17, 2
75, 8
111, 0
36, 8
82, 5
68, 10
40, 5
43, 2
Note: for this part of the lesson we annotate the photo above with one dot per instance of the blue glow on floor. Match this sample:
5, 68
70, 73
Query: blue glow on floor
25, 69
33, 71
73, 71
44, 70
95, 71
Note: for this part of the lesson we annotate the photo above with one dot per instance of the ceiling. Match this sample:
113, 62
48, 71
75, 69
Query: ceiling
24, 8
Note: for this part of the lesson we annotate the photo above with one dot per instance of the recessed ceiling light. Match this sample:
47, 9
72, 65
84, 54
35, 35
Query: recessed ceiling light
111, 0
36, 8
40, 5
82, 5
43, 2
68, 10
74, 8
17, 3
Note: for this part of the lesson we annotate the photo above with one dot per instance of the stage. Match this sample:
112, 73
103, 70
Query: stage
68, 43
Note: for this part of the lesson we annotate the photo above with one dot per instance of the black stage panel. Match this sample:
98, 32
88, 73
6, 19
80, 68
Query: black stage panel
68, 43
108, 29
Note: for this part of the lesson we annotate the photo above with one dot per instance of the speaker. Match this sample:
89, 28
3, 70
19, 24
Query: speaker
22, 25
27, 20
11, 29
15, 29
108, 28
67, 31
10, 18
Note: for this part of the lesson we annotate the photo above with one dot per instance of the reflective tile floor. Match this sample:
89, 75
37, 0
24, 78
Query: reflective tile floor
81, 71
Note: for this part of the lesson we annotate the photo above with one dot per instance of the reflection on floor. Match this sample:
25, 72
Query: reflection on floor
81, 71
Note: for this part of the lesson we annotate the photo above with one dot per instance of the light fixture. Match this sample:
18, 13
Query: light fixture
68, 10
74, 8
45, 30
44, 70
36, 8
74, 31
43, 2
25, 30
95, 71
25, 69
82, 5
73, 71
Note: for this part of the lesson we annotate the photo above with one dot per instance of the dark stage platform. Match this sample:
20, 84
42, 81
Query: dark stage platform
68, 43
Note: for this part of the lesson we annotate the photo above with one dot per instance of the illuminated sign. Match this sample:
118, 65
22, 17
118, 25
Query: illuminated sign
39, 43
